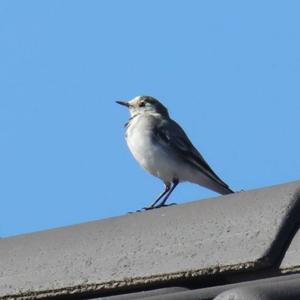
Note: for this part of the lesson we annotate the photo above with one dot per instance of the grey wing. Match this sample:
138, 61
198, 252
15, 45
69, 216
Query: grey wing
172, 134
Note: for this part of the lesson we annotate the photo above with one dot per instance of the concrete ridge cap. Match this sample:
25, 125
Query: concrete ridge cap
245, 231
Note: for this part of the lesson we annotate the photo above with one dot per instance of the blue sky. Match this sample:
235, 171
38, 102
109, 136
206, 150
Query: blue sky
228, 71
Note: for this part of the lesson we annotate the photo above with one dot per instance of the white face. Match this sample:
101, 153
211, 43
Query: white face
139, 105
144, 104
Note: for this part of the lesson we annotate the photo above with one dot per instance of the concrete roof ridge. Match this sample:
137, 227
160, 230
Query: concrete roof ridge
245, 231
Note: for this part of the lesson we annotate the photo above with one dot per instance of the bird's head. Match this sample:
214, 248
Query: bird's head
144, 104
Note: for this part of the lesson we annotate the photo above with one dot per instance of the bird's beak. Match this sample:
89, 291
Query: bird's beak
123, 103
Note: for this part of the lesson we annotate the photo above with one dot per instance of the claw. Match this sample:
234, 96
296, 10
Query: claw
158, 206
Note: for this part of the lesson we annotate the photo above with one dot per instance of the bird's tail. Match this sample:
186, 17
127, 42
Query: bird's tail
228, 191
222, 189
217, 186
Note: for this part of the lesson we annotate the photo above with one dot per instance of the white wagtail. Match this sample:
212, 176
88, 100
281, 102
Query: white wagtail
162, 148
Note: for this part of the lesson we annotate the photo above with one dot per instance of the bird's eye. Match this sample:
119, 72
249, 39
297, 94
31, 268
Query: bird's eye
142, 104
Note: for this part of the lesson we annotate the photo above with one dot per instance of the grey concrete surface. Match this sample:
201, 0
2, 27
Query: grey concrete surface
239, 232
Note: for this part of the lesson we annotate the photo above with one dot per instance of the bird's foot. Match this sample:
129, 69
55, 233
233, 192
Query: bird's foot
165, 205
152, 207
148, 208
157, 206
142, 209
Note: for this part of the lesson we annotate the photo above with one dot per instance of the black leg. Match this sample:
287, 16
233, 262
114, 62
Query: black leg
175, 182
166, 190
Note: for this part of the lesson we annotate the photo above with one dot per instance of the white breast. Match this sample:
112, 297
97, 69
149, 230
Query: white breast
150, 155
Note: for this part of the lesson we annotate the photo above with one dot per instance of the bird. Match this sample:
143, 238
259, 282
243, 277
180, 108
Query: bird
163, 149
